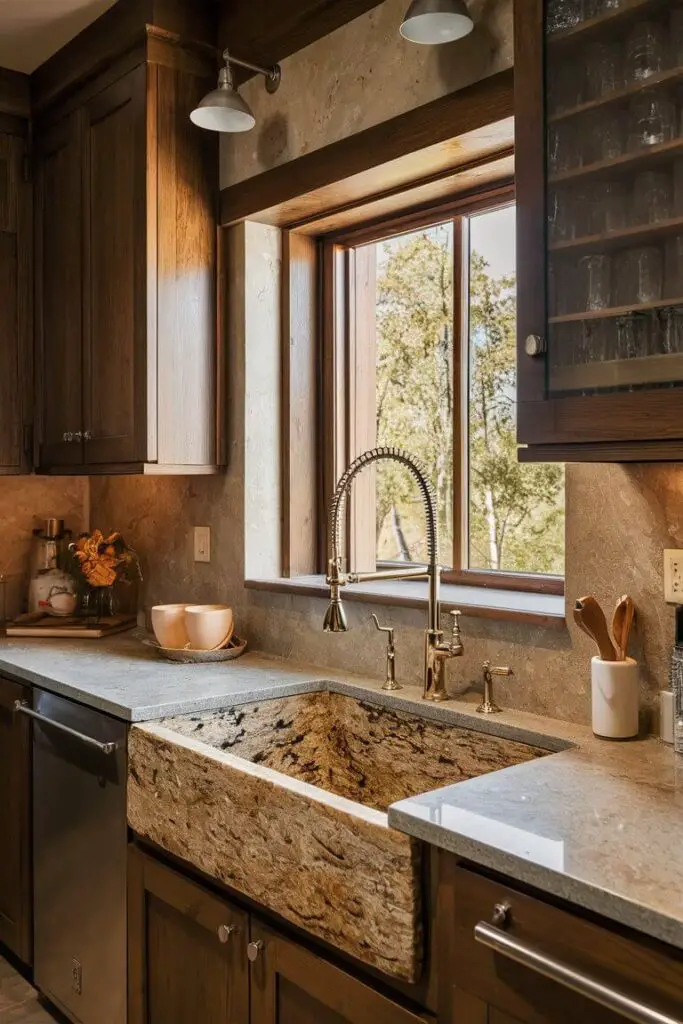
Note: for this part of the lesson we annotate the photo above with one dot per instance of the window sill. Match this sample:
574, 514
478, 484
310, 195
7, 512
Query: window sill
479, 602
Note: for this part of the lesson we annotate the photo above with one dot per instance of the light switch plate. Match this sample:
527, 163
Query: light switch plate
673, 577
202, 543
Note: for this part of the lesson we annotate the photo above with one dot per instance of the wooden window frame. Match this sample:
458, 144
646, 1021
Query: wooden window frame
339, 355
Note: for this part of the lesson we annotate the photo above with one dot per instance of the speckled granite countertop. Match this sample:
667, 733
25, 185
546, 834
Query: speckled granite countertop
600, 825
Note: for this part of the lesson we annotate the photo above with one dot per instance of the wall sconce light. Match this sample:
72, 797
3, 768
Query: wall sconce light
436, 21
223, 109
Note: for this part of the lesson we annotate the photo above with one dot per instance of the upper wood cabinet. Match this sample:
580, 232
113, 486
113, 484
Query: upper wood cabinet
15, 823
600, 231
15, 305
126, 278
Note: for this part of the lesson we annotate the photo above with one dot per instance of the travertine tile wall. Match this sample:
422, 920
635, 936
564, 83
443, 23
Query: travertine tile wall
619, 518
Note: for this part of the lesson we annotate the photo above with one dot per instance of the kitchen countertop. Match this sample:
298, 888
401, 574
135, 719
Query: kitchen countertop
598, 824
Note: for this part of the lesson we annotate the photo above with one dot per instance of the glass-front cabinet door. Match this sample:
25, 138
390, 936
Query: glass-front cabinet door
599, 108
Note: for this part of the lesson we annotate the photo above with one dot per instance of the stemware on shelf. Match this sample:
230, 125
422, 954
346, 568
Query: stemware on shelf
673, 264
563, 14
563, 151
606, 205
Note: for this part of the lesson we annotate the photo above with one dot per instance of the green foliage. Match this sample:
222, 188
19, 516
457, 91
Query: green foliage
516, 512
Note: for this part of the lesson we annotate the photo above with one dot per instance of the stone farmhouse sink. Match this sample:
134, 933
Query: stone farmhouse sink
285, 800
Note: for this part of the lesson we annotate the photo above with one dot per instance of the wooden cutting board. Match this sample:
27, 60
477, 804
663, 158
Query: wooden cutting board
70, 628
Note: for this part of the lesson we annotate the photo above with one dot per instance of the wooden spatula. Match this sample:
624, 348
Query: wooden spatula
589, 616
622, 621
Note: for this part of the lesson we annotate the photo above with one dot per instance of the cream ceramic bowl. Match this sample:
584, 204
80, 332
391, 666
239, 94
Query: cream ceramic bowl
208, 625
168, 623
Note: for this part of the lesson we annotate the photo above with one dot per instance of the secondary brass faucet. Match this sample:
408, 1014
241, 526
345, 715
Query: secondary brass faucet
437, 650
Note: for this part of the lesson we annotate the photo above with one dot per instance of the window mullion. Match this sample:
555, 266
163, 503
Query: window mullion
460, 553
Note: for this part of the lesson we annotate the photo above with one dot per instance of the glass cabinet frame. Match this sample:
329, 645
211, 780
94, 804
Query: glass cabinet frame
607, 409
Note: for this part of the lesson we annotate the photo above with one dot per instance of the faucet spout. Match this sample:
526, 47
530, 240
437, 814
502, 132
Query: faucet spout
436, 651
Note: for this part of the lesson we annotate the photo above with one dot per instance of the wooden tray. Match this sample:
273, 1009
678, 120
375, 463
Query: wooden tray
73, 628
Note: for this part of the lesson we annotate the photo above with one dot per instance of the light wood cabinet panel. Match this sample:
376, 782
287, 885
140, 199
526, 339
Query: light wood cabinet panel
15, 823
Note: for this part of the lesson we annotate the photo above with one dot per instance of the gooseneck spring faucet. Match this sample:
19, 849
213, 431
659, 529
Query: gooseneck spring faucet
437, 651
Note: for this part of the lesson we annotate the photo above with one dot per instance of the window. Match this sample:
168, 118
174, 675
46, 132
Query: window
420, 354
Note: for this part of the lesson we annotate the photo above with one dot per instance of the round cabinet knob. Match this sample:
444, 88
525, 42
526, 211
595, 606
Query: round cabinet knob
253, 950
78, 436
501, 915
67, 436
534, 345
225, 931
88, 435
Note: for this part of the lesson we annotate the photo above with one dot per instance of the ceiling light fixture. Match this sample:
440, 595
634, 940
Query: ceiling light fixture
436, 21
223, 109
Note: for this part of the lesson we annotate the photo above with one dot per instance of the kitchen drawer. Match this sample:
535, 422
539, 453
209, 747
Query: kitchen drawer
647, 972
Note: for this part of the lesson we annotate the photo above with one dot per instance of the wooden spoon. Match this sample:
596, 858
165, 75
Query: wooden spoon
589, 616
622, 621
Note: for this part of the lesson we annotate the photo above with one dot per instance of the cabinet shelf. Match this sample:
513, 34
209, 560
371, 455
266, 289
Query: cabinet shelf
618, 373
644, 234
665, 78
615, 311
626, 163
607, 22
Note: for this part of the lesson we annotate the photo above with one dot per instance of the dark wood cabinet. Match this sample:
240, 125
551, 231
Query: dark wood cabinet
15, 823
292, 985
59, 307
599, 172
187, 950
15, 306
196, 956
126, 275
554, 965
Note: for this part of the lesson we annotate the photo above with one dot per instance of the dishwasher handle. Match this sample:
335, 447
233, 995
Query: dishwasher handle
569, 977
21, 708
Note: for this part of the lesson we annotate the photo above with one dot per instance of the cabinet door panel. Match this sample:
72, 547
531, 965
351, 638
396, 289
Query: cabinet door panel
59, 209
114, 253
15, 828
16, 299
290, 985
600, 233
179, 969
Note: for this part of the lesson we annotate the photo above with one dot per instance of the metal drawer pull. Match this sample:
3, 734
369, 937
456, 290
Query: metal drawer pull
104, 748
570, 977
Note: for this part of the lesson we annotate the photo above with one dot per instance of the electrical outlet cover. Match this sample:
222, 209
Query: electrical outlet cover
673, 577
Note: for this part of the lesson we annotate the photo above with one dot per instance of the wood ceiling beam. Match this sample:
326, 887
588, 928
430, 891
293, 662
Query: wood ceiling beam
267, 31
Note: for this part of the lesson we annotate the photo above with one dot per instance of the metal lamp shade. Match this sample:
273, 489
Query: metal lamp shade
436, 21
223, 110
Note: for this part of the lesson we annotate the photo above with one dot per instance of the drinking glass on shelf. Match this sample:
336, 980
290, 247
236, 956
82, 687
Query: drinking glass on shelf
645, 51
563, 154
604, 131
594, 8
652, 120
652, 197
606, 205
639, 276
566, 86
676, 36
673, 262
678, 187
563, 14
595, 276
604, 64
632, 336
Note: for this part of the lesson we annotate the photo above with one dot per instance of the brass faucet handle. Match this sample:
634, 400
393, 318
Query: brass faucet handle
488, 706
456, 636
390, 682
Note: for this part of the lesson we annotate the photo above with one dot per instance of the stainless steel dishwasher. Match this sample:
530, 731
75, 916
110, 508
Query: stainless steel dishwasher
79, 858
